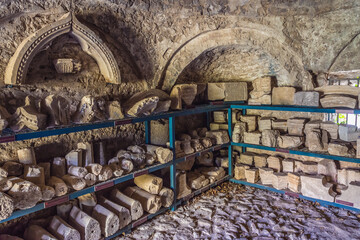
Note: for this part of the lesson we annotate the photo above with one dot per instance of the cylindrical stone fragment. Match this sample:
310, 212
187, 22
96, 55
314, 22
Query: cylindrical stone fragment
127, 165
105, 174
63, 231
6, 206
75, 183
122, 212
109, 222
149, 183
134, 206
59, 185
3, 173
5, 185
27, 156
167, 197
116, 169
88, 227
87, 202
77, 171
47, 192
13, 168
94, 168
151, 203
35, 232
90, 179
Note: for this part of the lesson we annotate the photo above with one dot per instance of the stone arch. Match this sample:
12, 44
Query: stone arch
17, 67
268, 39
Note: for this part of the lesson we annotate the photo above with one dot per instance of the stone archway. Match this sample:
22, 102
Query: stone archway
17, 67
268, 39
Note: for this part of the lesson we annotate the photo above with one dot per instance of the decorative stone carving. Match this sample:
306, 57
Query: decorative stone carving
28, 116
18, 65
228, 91
310, 99
67, 65
88, 111
182, 93
283, 96
58, 109
338, 101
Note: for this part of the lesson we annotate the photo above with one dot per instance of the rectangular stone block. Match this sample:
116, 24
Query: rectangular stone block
264, 100
246, 158
294, 183
220, 116
269, 138
309, 167
266, 175
252, 175
296, 126
283, 96
159, 132
260, 160
288, 165
331, 127
265, 123
279, 124
310, 99
316, 187
280, 180
346, 176
287, 141
239, 171
275, 163
351, 194
341, 149
338, 101
252, 138
251, 122
228, 91
348, 133
261, 87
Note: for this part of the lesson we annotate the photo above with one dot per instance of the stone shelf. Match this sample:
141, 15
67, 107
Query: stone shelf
298, 152
296, 195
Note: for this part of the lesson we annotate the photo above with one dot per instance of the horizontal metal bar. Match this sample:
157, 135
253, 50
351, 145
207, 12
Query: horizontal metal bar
296, 109
297, 152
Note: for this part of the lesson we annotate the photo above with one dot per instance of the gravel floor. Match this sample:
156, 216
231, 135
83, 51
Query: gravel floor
232, 211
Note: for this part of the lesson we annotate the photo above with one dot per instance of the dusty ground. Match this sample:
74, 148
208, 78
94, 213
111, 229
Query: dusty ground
236, 212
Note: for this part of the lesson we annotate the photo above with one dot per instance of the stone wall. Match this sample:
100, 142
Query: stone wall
160, 43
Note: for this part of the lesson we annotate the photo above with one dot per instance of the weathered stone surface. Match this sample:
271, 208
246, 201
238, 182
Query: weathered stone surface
212, 173
265, 123
75, 183
88, 153
296, 126
206, 159
266, 175
220, 116
182, 188
13, 168
279, 180
341, 149
312, 125
195, 180
149, 183
151, 203
27, 156
182, 93
62, 230
327, 167
195, 143
88, 110
260, 160
331, 127
288, 165
310, 99
252, 175
109, 222
351, 194
5, 184
298, 166
348, 133
87, 226
261, 86
280, 125
74, 158
283, 96
294, 183
24, 193
269, 138
220, 136
90, 179
339, 89
251, 122
246, 158
59, 185
317, 140
159, 132
264, 100
105, 174
310, 167
287, 141
94, 168
346, 176
167, 197
58, 108
228, 91
239, 171
238, 132
77, 171
316, 187
274, 163
34, 174
87, 202
337, 101
7, 206
132, 205
114, 110
218, 126
252, 138
35, 232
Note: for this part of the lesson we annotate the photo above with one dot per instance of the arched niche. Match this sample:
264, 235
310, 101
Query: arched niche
18, 65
